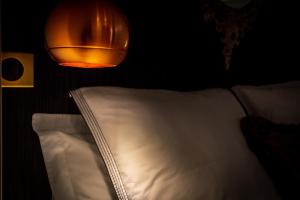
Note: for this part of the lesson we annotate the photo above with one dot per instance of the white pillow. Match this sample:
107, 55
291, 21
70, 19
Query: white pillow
75, 169
279, 103
168, 145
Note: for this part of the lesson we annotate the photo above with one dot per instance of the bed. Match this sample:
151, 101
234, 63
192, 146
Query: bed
153, 144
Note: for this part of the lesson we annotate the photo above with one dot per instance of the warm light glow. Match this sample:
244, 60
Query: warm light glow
87, 33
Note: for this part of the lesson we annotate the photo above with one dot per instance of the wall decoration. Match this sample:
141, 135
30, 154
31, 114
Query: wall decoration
232, 19
17, 69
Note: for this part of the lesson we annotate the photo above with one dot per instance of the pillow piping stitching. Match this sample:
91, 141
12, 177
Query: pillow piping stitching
101, 144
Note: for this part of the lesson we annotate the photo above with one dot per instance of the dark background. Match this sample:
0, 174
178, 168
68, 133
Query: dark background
170, 48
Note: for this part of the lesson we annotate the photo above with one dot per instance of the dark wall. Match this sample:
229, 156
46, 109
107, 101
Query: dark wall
169, 48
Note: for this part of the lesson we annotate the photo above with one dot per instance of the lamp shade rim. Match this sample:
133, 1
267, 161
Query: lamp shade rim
85, 65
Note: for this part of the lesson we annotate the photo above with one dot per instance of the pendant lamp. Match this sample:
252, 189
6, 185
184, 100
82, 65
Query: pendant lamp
87, 34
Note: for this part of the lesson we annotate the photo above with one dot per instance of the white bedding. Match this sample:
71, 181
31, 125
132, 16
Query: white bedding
75, 169
151, 145
161, 144
278, 103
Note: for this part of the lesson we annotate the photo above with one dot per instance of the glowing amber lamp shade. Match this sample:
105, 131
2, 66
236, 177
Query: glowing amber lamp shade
87, 34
